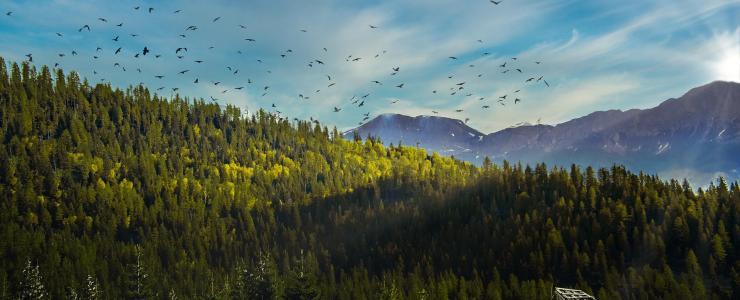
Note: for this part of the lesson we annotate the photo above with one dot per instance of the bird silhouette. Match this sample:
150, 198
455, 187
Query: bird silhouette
84, 27
145, 51
400, 85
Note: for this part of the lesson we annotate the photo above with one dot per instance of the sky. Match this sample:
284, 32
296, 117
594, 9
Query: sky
595, 54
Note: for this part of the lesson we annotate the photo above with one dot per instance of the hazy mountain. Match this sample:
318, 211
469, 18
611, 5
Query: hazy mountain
445, 135
695, 136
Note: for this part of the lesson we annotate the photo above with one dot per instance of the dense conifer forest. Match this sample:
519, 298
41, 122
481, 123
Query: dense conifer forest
125, 194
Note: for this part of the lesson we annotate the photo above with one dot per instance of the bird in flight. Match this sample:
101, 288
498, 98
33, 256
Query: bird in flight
517, 100
400, 85
216, 19
9, 13
118, 50
181, 49
495, 2
373, 27
145, 51
102, 20
84, 27
337, 109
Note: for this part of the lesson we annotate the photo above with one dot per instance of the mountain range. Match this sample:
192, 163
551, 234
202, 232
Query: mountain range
695, 136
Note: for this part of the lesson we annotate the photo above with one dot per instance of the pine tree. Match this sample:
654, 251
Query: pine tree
137, 279
258, 282
92, 289
302, 283
32, 286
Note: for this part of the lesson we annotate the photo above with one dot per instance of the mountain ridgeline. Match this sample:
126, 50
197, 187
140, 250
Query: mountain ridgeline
121, 194
696, 136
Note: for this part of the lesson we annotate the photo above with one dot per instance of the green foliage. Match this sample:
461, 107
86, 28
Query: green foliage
135, 196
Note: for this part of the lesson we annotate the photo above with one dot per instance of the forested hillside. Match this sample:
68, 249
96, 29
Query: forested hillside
110, 194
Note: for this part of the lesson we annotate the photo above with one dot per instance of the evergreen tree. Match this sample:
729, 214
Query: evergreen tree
302, 283
31, 285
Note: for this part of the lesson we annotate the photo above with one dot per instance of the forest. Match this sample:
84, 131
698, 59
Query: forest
125, 194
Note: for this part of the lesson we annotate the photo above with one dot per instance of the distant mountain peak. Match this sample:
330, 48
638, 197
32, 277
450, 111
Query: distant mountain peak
699, 131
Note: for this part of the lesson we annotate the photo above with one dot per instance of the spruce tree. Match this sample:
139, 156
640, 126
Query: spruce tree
31, 285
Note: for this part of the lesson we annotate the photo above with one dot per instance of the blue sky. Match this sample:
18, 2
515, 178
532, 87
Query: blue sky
595, 54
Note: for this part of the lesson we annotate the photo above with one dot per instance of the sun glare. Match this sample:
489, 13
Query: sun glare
727, 65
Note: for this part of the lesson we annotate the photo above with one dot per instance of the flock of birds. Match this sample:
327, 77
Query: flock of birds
127, 57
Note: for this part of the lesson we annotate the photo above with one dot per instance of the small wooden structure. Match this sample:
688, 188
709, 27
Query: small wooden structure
571, 294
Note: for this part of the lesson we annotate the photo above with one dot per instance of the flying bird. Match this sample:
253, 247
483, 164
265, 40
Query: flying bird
181, 49
216, 19
103, 20
495, 2
145, 51
84, 27
118, 50
400, 85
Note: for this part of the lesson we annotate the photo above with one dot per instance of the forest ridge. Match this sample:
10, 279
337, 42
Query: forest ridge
124, 194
